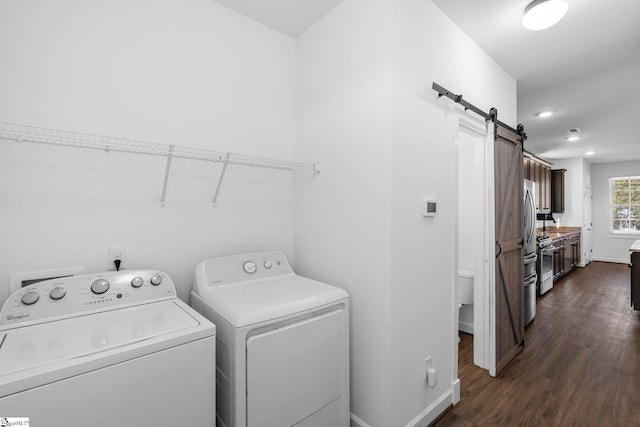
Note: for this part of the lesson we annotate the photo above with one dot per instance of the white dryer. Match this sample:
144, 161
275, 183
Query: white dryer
282, 342
106, 349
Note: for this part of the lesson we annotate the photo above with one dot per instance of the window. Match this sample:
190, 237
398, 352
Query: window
624, 209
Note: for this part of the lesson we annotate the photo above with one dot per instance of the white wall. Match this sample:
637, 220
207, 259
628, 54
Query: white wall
430, 48
576, 178
193, 73
606, 246
343, 97
366, 110
190, 73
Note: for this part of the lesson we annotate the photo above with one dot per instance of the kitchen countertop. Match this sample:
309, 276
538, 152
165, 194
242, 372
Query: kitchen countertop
560, 232
635, 247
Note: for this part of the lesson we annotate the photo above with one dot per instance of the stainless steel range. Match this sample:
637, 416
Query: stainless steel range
545, 267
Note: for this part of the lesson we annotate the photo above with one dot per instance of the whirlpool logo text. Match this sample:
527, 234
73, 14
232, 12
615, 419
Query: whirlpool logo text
12, 318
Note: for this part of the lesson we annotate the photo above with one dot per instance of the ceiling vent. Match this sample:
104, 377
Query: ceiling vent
573, 131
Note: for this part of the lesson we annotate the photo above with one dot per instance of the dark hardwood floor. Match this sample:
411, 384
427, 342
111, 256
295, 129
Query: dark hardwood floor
580, 365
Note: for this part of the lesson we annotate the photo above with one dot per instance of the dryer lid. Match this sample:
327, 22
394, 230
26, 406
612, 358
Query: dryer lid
255, 301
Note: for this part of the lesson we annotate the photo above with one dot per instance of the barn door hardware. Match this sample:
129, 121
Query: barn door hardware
492, 115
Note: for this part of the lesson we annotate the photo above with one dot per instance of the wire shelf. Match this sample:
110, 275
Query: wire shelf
26, 133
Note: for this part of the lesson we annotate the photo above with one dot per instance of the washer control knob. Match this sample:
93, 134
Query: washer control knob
250, 267
267, 264
137, 281
100, 286
57, 293
156, 279
30, 297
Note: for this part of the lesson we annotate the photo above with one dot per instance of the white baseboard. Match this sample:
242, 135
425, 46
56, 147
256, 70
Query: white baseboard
450, 397
434, 410
357, 422
465, 327
616, 260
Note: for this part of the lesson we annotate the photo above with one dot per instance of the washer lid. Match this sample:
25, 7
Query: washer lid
255, 301
39, 346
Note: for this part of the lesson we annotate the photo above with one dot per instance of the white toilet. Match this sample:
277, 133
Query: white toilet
465, 301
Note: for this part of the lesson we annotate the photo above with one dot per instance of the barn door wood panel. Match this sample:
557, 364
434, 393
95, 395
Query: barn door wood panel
509, 217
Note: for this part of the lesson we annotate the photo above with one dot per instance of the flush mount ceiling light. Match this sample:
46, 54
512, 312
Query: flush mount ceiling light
590, 153
545, 114
542, 14
573, 138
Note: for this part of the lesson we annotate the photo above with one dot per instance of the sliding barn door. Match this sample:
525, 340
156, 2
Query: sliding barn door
509, 216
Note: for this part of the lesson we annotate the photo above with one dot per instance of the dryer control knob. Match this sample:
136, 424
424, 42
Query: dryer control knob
267, 264
137, 281
250, 267
156, 279
30, 297
57, 293
100, 286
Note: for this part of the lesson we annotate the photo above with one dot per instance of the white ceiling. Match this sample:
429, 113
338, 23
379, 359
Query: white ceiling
587, 67
290, 17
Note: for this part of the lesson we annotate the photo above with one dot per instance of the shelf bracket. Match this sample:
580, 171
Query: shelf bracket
222, 172
166, 175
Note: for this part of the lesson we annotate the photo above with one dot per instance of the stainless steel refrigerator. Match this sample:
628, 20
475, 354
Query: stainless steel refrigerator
530, 254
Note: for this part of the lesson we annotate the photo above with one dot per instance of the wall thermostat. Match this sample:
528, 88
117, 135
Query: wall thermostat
429, 208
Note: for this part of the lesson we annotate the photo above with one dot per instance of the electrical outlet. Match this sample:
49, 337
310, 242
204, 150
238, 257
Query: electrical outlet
116, 253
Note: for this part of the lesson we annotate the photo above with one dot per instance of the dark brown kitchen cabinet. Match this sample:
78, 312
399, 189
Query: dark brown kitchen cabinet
558, 259
537, 178
526, 166
571, 253
575, 250
537, 171
544, 180
542, 187
566, 255
557, 190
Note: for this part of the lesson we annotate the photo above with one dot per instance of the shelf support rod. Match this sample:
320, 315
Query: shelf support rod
222, 172
166, 175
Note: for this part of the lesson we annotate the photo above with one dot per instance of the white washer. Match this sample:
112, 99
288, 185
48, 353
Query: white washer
106, 349
282, 342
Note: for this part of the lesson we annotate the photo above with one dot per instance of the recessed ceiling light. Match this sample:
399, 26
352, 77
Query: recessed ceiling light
545, 114
542, 14
573, 138
589, 153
